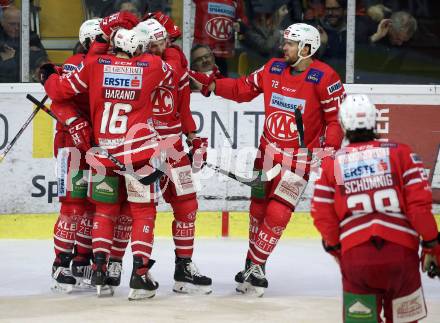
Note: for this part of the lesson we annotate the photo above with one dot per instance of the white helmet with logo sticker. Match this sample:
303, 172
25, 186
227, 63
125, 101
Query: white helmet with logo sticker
150, 30
127, 40
357, 112
304, 34
88, 31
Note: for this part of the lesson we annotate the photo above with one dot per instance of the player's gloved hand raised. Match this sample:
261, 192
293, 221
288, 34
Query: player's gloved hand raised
172, 29
46, 70
198, 150
206, 81
122, 19
335, 250
430, 258
81, 133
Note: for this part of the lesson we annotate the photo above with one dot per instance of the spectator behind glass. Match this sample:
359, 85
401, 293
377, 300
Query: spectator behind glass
215, 24
203, 60
10, 47
333, 30
130, 6
397, 30
263, 38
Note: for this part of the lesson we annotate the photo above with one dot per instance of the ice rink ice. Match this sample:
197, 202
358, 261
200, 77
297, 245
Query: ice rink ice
304, 286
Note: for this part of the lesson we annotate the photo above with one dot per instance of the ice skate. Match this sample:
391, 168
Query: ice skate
252, 281
99, 276
114, 272
142, 283
188, 279
82, 271
63, 280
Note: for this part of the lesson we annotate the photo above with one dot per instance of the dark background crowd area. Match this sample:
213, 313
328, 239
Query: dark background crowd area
395, 41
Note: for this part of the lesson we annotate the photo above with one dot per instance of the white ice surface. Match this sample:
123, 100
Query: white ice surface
304, 286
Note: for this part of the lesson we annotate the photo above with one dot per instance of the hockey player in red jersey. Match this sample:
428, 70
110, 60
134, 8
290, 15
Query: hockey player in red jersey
172, 117
119, 88
214, 25
372, 204
72, 230
297, 83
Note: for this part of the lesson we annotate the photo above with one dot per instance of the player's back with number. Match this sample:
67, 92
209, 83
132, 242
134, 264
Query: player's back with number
120, 108
380, 186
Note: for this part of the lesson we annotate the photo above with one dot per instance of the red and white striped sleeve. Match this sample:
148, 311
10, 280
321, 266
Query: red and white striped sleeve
417, 193
323, 210
63, 87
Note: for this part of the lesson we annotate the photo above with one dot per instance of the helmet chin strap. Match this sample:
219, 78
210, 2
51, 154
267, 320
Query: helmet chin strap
300, 58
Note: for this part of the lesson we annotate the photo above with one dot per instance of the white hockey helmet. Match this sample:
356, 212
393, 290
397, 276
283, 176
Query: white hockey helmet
126, 40
304, 34
357, 112
150, 30
89, 30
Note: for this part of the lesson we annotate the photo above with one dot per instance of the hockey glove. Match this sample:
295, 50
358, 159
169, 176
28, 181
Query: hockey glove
198, 150
81, 133
335, 250
204, 79
123, 19
172, 29
430, 258
47, 70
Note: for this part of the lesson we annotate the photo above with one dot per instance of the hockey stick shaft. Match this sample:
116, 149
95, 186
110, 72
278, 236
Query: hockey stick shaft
146, 180
20, 132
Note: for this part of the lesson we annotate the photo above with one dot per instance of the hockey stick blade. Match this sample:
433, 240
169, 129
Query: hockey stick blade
145, 180
22, 129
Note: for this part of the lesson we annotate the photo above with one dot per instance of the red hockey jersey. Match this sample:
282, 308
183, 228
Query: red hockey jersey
316, 92
120, 108
373, 189
213, 25
77, 105
172, 114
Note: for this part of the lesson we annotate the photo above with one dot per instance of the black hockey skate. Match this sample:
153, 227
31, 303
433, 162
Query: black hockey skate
142, 283
188, 279
114, 272
99, 276
63, 280
252, 280
82, 271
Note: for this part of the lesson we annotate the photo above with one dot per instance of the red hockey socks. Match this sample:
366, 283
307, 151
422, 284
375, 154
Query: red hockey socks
103, 227
65, 228
257, 211
276, 219
84, 232
183, 227
122, 233
142, 235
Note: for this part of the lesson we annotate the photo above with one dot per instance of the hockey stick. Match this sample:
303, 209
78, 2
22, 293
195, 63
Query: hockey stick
146, 180
20, 132
300, 127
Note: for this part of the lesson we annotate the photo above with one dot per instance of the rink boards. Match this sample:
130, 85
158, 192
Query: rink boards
28, 183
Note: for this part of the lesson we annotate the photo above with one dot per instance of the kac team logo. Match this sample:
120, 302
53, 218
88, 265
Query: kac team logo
282, 126
219, 28
162, 100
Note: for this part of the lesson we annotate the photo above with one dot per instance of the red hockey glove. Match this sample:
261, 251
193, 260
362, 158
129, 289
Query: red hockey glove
123, 19
430, 258
172, 29
198, 150
204, 79
81, 133
47, 70
335, 251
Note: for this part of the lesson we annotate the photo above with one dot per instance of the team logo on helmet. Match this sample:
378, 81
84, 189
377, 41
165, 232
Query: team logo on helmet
282, 126
162, 100
219, 28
